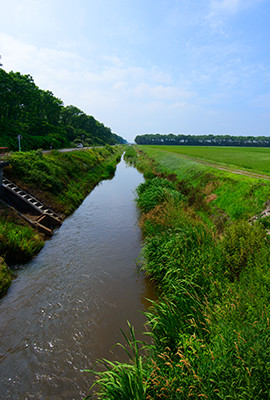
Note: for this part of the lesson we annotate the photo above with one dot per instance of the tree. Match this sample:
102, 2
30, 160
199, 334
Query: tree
203, 140
42, 119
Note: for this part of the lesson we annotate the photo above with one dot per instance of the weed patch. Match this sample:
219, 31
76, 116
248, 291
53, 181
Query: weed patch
5, 277
18, 244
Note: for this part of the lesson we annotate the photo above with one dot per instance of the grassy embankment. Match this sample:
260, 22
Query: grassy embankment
61, 181
210, 328
229, 195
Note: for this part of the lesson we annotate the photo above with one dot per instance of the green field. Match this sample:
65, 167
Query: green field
254, 159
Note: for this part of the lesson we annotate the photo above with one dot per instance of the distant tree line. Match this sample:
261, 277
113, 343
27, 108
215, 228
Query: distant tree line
203, 140
42, 120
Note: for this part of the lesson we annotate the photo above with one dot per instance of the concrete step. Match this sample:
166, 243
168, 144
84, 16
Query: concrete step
31, 200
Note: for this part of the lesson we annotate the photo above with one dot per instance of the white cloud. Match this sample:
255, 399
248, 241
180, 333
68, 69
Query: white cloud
113, 60
108, 89
62, 68
225, 6
221, 10
162, 93
26, 58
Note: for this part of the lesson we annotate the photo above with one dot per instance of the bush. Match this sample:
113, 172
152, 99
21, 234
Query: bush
130, 154
155, 191
18, 243
5, 277
110, 149
241, 245
109, 171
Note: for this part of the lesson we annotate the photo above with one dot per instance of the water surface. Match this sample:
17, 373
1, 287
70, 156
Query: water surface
66, 307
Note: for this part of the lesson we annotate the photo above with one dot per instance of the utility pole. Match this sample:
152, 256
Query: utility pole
3, 163
19, 141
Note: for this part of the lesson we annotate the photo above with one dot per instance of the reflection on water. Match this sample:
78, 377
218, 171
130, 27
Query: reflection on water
66, 307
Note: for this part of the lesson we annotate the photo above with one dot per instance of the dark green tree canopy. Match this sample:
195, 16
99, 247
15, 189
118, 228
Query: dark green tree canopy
203, 140
42, 119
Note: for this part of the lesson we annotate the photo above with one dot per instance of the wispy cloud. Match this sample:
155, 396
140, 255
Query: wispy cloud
220, 11
230, 7
107, 86
226, 6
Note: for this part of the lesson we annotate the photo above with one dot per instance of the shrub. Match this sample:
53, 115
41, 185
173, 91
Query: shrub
241, 245
18, 243
109, 170
130, 155
5, 277
155, 191
110, 149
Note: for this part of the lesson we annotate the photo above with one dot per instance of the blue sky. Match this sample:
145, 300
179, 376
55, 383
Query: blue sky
148, 66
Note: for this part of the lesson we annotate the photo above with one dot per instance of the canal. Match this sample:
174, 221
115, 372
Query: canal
66, 307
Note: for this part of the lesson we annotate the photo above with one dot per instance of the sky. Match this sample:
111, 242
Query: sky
148, 66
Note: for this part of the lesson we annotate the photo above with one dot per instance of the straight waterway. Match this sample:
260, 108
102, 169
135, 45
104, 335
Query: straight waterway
67, 306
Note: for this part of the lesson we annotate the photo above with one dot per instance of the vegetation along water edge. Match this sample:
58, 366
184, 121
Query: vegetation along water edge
209, 329
61, 180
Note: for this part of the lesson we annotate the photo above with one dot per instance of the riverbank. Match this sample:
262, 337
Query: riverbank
210, 327
59, 180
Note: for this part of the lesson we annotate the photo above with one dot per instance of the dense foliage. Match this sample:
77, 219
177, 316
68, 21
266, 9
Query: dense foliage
18, 242
42, 120
5, 277
210, 327
203, 140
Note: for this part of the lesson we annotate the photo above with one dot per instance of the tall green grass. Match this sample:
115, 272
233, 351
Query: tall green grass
123, 381
18, 243
5, 277
130, 154
210, 327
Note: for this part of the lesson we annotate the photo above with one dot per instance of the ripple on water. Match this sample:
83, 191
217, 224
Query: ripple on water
67, 305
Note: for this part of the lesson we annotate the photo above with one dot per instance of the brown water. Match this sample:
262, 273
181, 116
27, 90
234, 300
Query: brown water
66, 307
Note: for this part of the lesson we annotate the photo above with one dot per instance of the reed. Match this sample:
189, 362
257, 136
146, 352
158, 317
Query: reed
123, 381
